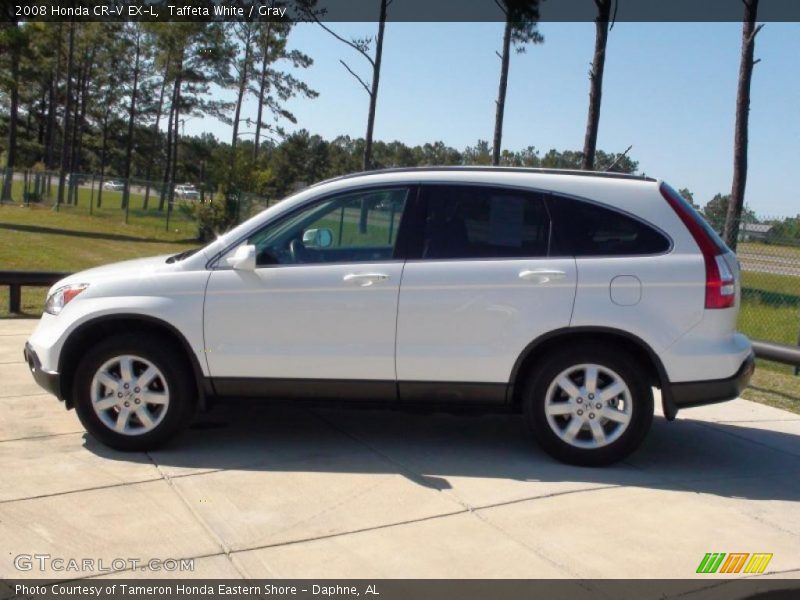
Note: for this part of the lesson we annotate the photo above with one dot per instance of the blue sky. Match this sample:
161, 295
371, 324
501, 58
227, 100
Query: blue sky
669, 90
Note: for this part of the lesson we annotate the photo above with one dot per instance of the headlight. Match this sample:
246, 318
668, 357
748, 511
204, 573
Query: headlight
62, 296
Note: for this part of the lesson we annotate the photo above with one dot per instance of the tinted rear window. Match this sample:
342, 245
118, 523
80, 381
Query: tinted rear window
482, 222
585, 229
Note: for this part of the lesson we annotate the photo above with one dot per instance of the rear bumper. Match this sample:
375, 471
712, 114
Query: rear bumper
698, 393
49, 381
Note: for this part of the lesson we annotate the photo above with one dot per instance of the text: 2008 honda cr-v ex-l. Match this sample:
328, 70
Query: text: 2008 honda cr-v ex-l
566, 296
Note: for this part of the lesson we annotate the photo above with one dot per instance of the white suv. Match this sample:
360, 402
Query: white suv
566, 296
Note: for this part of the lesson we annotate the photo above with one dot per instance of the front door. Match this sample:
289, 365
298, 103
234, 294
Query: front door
320, 305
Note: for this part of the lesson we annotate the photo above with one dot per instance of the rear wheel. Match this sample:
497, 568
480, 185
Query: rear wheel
589, 406
134, 392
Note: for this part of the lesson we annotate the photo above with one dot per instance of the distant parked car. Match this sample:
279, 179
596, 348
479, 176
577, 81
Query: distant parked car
116, 186
187, 191
75, 179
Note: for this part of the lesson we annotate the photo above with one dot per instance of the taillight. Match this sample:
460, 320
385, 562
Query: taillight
720, 281
720, 285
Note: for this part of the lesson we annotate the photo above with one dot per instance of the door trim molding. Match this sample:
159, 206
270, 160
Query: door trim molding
308, 389
420, 393
450, 392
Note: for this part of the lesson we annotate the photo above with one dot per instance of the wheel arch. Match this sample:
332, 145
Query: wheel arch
641, 350
99, 327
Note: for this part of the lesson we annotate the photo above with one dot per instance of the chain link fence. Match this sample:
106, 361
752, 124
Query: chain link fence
136, 201
150, 204
769, 254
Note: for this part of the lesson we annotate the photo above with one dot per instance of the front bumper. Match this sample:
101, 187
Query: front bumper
49, 381
698, 393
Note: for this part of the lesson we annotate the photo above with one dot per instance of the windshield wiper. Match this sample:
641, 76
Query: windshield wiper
182, 255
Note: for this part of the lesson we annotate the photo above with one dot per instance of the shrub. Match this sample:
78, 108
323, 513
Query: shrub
213, 217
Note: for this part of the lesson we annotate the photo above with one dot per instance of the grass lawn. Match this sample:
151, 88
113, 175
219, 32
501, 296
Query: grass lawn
86, 204
778, 324
773, 284
40, 239
770, 310
781, 250
778, 389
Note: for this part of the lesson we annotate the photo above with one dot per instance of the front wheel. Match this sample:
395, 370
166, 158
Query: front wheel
134, 392
589, 406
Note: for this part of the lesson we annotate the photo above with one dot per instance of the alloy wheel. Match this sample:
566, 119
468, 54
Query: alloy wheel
588, 406
130, 395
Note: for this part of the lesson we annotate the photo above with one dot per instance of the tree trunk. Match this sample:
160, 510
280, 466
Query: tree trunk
153, 147
168, 154
40, 133
237, 113
740, 137
52, 108
373, 96
65, 142
131, 119
84, 107
29, 118
77, 133
12, 123
103, 152
596, 83
501, 95
262, 88
50, 126
172, 141
176, 138
73, 137
77, 129
175, 134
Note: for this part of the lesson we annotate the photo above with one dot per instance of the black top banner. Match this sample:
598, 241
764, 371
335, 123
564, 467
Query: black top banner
397, 10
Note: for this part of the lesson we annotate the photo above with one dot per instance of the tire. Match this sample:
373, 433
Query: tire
157, 409
598, 436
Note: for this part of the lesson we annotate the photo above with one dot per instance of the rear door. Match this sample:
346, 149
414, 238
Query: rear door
624, 281
478, 289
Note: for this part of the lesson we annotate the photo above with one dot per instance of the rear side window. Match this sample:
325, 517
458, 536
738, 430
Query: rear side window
586, 229
481, 222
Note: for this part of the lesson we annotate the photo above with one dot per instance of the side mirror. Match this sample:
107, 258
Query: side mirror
244, 259
318, 238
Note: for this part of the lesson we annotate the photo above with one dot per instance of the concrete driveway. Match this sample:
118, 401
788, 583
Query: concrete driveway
262, 492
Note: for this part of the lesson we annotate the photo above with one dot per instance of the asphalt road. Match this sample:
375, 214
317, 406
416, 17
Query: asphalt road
766, 263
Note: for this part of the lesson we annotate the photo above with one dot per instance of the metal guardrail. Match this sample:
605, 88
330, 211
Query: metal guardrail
15, 280
789, 355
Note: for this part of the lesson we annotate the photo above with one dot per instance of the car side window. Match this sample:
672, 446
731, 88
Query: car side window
585, 229
483, 222
358, 226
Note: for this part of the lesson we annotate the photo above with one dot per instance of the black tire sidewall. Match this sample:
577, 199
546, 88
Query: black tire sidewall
170, 361
620, 362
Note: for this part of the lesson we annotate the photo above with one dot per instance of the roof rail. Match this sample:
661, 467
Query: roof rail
603, 174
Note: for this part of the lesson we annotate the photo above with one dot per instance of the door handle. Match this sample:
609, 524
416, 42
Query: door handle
365, 279
542, 275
